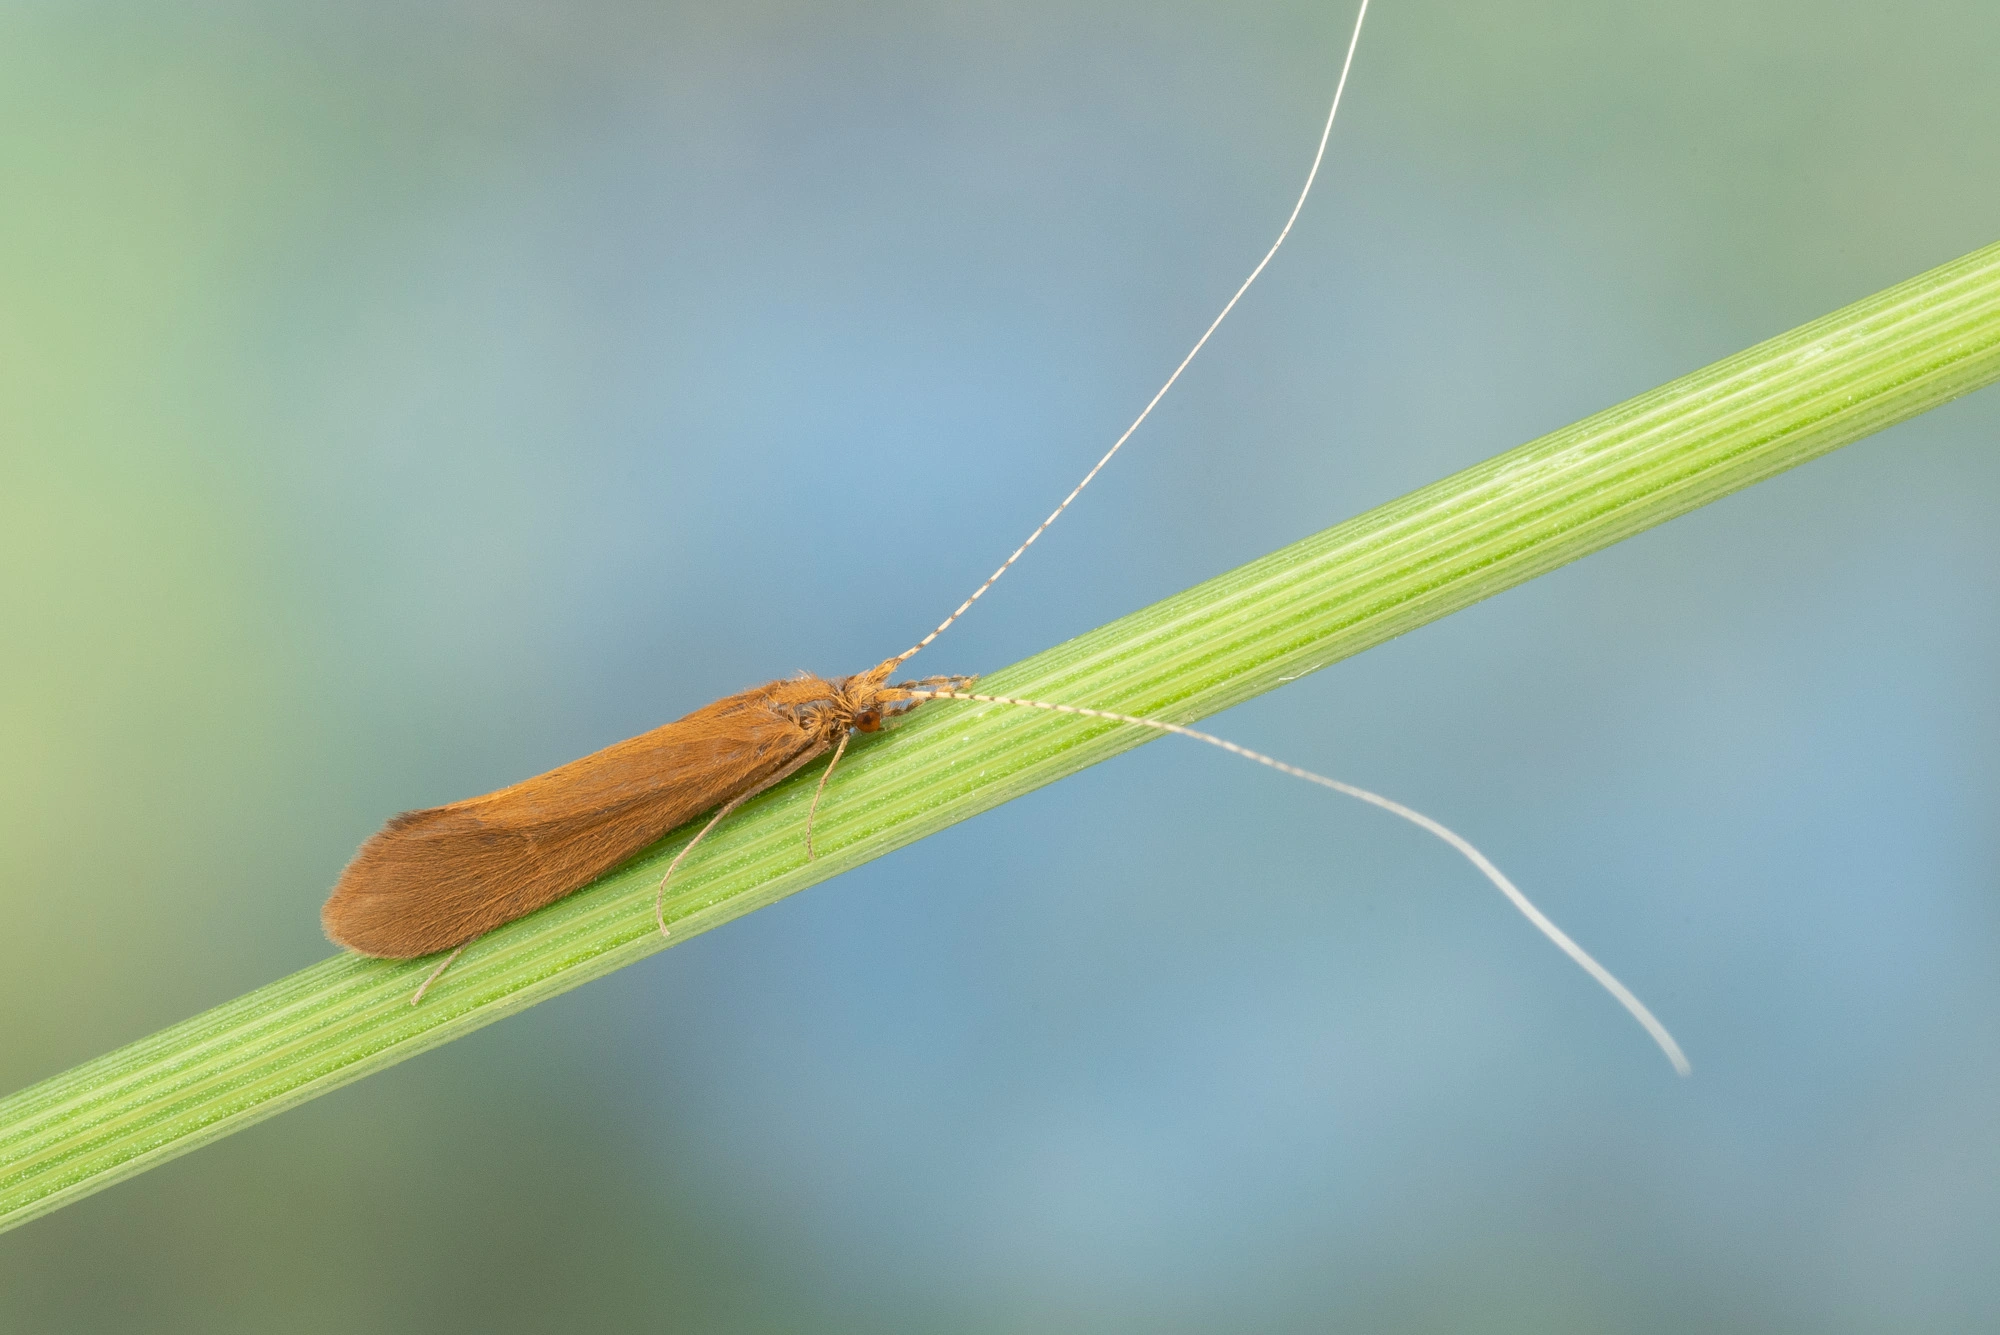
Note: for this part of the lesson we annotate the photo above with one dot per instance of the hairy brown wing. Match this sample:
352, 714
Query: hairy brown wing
434, 879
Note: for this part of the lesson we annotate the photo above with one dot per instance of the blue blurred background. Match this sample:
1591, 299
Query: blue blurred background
397, 401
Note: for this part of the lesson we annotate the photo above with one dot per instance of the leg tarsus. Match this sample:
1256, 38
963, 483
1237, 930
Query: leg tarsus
426, 986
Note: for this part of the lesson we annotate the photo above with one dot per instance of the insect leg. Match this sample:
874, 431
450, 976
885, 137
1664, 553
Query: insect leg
928, 686
660, 897
813, 810
435, 972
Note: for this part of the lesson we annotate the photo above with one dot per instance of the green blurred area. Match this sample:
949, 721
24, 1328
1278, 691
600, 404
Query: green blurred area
332, 481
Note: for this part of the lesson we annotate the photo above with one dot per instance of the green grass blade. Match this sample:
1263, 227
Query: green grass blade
1467, 537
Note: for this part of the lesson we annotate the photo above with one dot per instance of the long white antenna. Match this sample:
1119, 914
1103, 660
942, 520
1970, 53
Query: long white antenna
1637, 1008
1318, 154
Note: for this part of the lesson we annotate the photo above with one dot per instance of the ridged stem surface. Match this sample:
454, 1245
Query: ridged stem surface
1875, 363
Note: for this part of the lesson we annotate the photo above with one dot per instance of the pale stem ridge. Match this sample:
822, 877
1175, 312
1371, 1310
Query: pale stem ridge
1605, 979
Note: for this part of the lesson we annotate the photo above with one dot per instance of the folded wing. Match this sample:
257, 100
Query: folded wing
434, 879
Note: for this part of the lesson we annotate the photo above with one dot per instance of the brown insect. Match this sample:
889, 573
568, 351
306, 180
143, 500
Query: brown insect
437, 879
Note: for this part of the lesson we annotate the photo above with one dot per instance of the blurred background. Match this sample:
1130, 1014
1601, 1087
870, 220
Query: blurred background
398, 401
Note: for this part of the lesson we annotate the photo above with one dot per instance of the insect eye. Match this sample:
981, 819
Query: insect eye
868, 720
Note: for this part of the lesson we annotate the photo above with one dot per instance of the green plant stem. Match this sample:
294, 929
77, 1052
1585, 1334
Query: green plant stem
1467, 537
